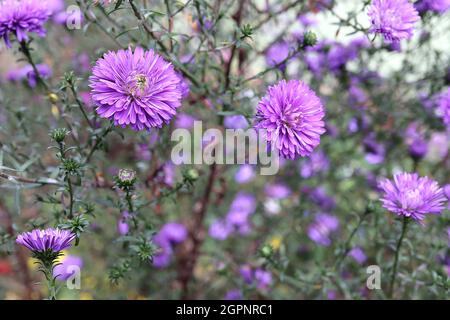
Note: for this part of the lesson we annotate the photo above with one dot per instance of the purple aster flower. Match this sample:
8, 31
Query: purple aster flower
263, 279
447, 194
320, 197
246, 273
245, 174
412, 196
68, 266
234, 294
163, 257
317, 162
174, 232
41, 241
184, 86
220, 230
122, 224
139, 88
292, 115
184, 121
27, 72
307, 19
276, 54
321, 229
20, 17
277, 191
358, 255
418, 146
375, 151
439, 6
235, 122
443, 109
394, 19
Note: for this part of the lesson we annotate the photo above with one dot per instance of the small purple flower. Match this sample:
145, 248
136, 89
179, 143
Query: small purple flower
135, 88
277, 53
375, 151
171, 233
174, 232
321, 229
27, 73
220, 230
418, 146
307, 19
358, 255
234, 294
41, 241
447, 194
246, 273
263, 279
439, 6
293, 116
320, 197
67, 268
317, 162
443, 109
412, 196
235, 122
122, 224
245, 174
277, 191
20, 17
184, 121
184, 86
394, 19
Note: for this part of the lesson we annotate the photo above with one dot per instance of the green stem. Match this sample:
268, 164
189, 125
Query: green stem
26, 51
70, 189
397, 255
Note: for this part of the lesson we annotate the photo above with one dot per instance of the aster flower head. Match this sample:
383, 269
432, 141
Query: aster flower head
291, 114
20, 17
394, 19
135, 88
48, 240
412, 196
322, 228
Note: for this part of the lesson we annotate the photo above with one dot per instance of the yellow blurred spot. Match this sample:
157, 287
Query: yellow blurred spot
53, 98
32, 263
55, 111
89, 282
86, 296
276, 242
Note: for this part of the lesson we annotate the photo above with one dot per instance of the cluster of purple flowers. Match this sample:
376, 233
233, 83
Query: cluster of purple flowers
237, 218
27, 73
260, 277
169, 235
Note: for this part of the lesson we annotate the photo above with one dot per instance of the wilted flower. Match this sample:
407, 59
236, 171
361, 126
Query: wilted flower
292, 115
48, 240
412, 196
321, 229
394, 19
20, 17
139, 88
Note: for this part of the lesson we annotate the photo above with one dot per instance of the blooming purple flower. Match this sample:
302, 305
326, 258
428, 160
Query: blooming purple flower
447, 194
184, 121
20, 17
417, 144
412, 196
320, 197
139, 88
276, 54
292, 115
439, 6
234, 294
27, 72
317, 162
235, 122
263, 278
50, 239
173, 232
375, 151
277, 191
220, 230
122, 224
307, 19
184, 86
394, 19
67, 267
321, 229
246, 273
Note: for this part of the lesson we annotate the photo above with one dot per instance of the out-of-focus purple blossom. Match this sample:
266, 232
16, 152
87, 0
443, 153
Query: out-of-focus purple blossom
244, 202
292, 116
220, 230
414, 139
394, 19
22, 17
438, 145
358, 255
447, 194
411, 196
142, 152
353, 126
331, 295
277, 53
169, 173
321, 230
263, 279
244, 174
439, 6
234, 294
184, 86
357, 97
277, 190
320, 197
375, 152
122, 225
171, 233
246, 273
443, 107
237, 121
27, 72
67, 267
316, 163
184, 121
307, 19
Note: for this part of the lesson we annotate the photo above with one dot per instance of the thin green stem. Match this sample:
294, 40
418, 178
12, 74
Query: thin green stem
397, 255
